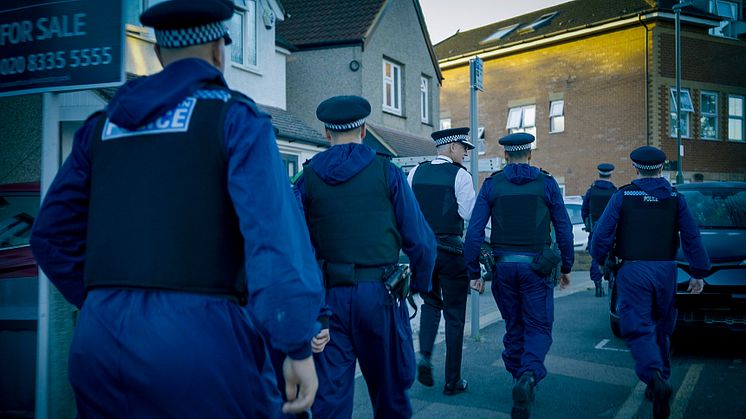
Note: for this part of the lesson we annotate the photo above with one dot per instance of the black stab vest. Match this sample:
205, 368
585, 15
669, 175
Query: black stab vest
434, 188
354, 221
520, 215
597, 200
160, 214
648, 227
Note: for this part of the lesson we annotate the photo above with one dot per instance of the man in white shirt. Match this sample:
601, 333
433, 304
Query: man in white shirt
445, 192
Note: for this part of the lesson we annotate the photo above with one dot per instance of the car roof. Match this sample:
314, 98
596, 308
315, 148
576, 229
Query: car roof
573, 199
712, 185
19, 187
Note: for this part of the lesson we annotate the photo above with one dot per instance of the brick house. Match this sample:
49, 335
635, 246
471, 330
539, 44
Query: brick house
593, 80
377, 49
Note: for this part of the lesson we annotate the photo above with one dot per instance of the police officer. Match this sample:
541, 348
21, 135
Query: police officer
446, 196
594, 202
643, 223
523, 202
360, 212
172, 211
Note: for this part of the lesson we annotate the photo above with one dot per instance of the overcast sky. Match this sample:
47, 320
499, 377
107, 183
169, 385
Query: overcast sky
445, 17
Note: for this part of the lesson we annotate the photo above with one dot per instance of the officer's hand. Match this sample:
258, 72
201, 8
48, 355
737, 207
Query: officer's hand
301, 384
477, 285
696, 286
319, 341
564, 281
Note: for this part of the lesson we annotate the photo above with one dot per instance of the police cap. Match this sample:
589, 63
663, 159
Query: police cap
648, 158
343, 113
183, 23
452, 135
605, 168
517, 142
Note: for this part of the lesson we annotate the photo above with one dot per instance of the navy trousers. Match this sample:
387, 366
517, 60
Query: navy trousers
450, 289
156, 354
526, 303
647, 314
366, 326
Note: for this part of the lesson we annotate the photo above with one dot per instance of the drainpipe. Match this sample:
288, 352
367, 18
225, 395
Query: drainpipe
647, 81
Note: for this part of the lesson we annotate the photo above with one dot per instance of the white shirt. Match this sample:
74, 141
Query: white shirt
465, 195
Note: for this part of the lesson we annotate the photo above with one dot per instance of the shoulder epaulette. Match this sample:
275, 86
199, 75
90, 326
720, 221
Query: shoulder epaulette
460, 165
496, 172
545, 172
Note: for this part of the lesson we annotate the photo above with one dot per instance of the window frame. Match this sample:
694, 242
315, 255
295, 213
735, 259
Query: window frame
424, 99
288, 160
445, 123
396, 89
244, 11
556, 116
687, 109
703, 114
522, 124
741, 117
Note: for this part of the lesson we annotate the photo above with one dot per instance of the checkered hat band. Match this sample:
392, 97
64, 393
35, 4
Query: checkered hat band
345, 127
605, 173
648, 166
451, 139
520, 147
186, 37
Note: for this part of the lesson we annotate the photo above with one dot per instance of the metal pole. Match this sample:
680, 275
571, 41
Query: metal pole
474, 167
679, 154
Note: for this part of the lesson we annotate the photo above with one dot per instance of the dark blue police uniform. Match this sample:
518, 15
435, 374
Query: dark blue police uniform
594, 203
171, 212
522, 201
360, 212
642, 225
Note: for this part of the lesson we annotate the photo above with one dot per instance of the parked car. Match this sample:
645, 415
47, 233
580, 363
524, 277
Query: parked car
720, 211
574, 204
19, 204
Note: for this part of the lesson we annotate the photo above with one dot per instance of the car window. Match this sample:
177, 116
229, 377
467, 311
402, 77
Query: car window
717, 207
573, 211
17, 215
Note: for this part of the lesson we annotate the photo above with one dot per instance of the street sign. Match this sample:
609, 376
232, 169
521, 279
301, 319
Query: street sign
63, 45
477, 74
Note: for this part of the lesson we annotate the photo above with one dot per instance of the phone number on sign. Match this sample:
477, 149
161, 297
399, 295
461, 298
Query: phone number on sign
84, 57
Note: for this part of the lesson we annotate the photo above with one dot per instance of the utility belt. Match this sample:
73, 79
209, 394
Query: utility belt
450, 243
544, 263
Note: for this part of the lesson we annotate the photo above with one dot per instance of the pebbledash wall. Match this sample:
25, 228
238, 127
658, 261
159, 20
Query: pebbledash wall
601, 79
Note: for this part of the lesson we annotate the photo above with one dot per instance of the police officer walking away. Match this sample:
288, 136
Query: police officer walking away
523, 202
172, 211
445, 192
361, 212
594, 203
643, 223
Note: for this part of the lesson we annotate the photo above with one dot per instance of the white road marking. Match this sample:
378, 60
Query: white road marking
684, 394
632, 404
602, 345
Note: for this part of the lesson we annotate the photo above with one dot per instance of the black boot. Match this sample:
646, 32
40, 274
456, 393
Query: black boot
523, 396
425, 372
459, 386
661, 392
599, 288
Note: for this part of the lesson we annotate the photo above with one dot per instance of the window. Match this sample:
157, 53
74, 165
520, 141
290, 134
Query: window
500, 34
243, 33
425, 100
709, 115
445, 123
481, 146
727, 10
132, 11
686, 109
557, 116
392, 87
523, 119
735, 118
291, 164
538, 23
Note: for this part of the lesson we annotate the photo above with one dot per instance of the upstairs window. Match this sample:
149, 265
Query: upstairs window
425, 100
500, 34
132, 11
243, 33
538, 23
557, 116
709, 115
728, 10
522, 119
392, 76
735, 118
445, 123
686, 109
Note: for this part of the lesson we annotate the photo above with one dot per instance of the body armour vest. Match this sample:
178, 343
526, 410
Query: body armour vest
597, 200
160, 214
647, 227
354, 221
520, 215
434, 188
